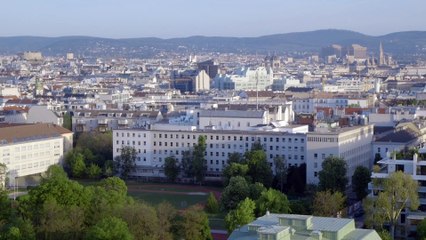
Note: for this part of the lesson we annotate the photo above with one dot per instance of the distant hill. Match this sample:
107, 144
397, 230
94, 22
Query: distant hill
398, 44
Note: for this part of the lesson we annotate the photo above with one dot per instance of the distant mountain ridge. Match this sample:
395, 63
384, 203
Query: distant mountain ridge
398, 43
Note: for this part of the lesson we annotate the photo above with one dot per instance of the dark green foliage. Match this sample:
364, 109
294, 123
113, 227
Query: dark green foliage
333, 174
328, 204
212, 206
360, 180
377, 158
280, 172
301, 207
187, 167
296, 179
255, 190
234, 169
236, 191
199, 161
259, 168
67, 123
110, 228
235, 157
93, 171
421, 230
171, 168
96, 147
125, 163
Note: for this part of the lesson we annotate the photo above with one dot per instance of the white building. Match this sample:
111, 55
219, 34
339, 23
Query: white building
153, 146
260, 78
415, 167
42, 114
31, 148
353, 144
232, 120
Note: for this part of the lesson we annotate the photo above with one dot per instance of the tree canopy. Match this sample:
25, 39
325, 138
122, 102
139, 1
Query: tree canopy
360, 180
333, 174
328, 204
243, 214
273, 201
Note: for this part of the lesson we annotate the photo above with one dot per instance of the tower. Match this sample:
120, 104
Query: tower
381, 56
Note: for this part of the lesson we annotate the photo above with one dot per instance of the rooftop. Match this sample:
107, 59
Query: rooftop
12, 133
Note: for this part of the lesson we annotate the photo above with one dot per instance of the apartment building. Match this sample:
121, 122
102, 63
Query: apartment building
415, 167
153, 146
353, 144
28, 149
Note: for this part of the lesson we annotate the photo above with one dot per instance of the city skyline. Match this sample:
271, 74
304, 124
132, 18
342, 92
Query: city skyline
170, 19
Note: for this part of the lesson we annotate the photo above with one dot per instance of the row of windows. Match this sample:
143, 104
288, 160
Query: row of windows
322, 139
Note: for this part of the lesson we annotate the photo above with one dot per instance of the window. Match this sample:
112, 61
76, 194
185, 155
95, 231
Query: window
315, 174
378, 150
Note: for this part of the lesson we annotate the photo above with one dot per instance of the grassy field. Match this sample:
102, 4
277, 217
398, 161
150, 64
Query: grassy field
180, 201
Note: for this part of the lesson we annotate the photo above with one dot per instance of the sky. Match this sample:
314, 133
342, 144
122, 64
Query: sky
183, 18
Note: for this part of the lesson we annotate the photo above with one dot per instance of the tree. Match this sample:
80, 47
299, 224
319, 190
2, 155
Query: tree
187, 166
110, 228
126, 161
75, 162
233, 170
296, 179
333, 174
397, 192
199, 162
421, 230
255, 190
67, 123
166, 214
171, 168
243, 214
360, 180
328, 204
235, 192
377, 157
280, 171
142, 221
235, 157
212, 205
93, 171
274, 201
259, 168
195, 224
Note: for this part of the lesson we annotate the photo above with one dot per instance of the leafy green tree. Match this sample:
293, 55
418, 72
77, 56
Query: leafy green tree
212, 205
397, 192
360, 180
384, 234
300, 207
195, 224
78, 167
99, 144
187, 167
126, 161
296, 179
243, 214
259, 168
233, 170
142, 221
280, 171
274, 201
108, 169
255, 190
110, 228
235, 192
333, 174
67, 123
199, 161
171, 168
421, 230
328, 204
166, 214
235, 157
94, 171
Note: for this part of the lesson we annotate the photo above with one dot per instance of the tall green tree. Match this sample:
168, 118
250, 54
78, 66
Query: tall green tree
110, 228
166, 214
142, 221
67, 121
280, 171
234, 169
195, 224
328, 204
171, 168
274, 201
212, 206
187, 166
199, 161
360, 180
333, 174
259, 168
397, 192
235, 192
243, 214
235, 157
421, 230
126, 161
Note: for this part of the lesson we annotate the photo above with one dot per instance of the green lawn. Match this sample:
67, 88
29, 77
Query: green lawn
180, 201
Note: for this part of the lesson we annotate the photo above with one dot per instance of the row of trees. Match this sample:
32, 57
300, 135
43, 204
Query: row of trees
63, 209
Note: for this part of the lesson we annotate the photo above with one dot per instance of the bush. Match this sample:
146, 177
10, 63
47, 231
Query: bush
212, 205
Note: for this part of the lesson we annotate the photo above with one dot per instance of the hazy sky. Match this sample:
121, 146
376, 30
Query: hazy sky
182, 18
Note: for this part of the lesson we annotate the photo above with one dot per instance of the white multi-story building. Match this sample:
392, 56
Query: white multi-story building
353, 144
153, 146
260, 78
415, 167
28, 149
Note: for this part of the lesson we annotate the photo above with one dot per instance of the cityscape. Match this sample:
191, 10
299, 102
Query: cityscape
175, 132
